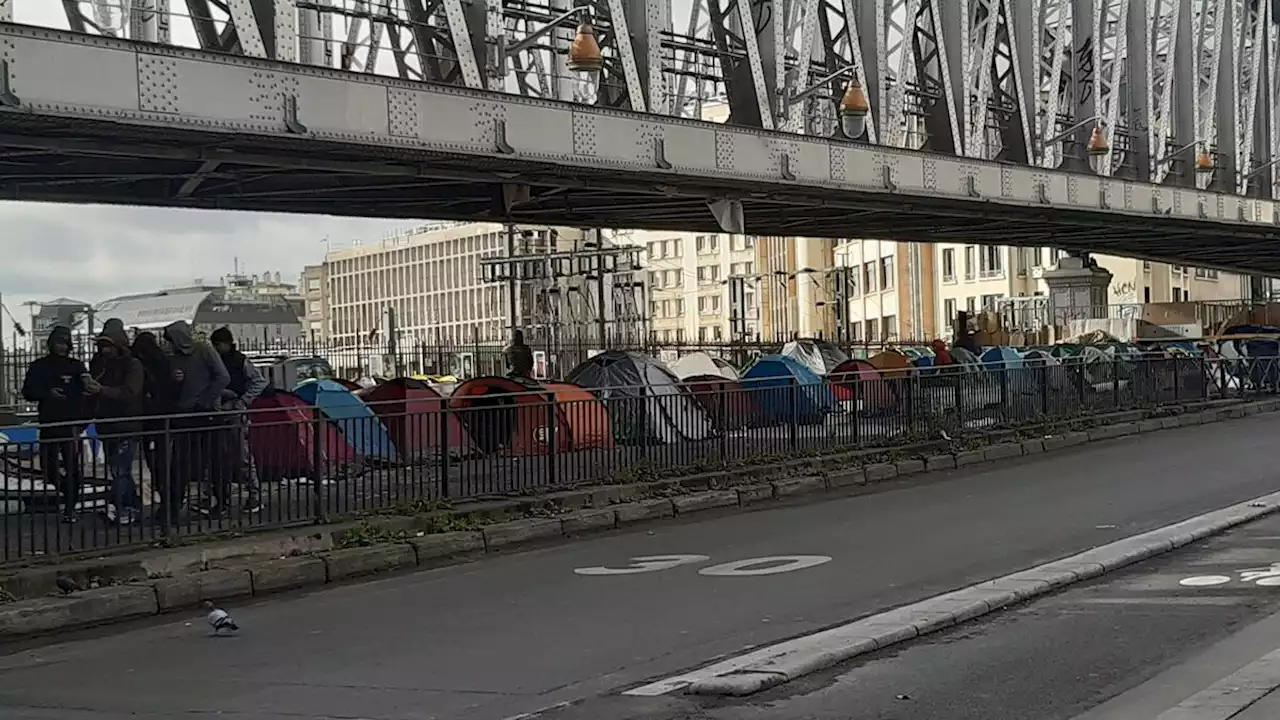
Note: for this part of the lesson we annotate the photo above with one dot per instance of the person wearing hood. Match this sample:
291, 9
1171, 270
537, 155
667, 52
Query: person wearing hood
159, 393
56, 383
518, 356
117, 384
200, 378
246, 384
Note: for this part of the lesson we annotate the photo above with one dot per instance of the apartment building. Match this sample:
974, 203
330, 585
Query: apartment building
691, 280
311, 285
431, 278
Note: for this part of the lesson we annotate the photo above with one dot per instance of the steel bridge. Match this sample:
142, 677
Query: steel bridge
979, 115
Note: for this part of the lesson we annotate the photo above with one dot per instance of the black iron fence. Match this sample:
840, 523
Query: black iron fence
69, 488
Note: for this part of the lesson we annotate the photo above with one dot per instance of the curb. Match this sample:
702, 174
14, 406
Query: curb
792, 659
323, 563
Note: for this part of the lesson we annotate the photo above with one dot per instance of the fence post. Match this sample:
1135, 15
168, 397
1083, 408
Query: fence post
1115, 382
723, 430
1004, 391
1177, 381
552, 441
1044, 388
317, 464
793, 429
168, 495
446, 416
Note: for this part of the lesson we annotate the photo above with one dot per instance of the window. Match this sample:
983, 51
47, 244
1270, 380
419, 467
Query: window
970, 260
708, 274
869, 278
889, 327
709, 305
872, 328
989, 301
707, 244
1037, 257
948, 312
949, 265
971, 305
886, 273
1146, 294
992, 262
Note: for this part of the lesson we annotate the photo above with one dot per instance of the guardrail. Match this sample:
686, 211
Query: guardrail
66, 488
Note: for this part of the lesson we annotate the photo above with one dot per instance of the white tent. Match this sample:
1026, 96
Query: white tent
700, 363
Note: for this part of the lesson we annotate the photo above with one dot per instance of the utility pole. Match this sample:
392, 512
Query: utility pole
513, 283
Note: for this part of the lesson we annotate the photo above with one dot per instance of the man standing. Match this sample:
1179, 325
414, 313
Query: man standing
201, 377
117, 385
56, 382
245, 385
518, 357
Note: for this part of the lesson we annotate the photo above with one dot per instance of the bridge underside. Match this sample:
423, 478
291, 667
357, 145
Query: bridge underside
79, 161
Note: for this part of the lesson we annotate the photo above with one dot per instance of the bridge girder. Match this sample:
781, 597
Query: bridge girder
989, 79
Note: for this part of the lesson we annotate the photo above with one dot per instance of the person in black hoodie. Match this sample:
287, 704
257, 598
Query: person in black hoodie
56, 383
200, 378
245, 385
159, 395
117, 385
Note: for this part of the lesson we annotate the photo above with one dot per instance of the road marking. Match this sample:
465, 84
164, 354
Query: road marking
650, 563
1204, 581
774, 565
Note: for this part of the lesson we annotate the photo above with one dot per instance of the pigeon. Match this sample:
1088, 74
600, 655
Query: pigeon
66, 585
219, 620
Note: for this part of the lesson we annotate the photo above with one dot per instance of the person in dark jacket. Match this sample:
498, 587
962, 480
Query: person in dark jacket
56, 383
245, 385
518, 356
200, 377
159, 394
117, 384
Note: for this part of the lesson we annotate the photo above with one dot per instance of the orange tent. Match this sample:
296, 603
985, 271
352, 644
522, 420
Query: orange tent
518, 416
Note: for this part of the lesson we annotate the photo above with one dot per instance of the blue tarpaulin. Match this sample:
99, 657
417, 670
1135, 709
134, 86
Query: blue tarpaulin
786, 391
357, 422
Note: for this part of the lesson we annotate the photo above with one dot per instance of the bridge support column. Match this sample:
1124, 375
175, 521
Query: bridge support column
1077, 291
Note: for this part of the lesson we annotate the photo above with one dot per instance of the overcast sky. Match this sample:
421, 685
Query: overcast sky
92, 253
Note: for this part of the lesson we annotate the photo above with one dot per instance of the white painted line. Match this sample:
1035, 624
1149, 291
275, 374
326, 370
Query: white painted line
1204, 581
785, 661
773, 565
1227, 697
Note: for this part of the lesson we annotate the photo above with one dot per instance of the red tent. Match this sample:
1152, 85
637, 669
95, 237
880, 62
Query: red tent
282, 435
727, 404
517, 415
414, 415
858, 379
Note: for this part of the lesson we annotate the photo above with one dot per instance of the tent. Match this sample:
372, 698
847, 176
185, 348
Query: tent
819, 356
725, 402
645, 400
891, 364
359, 425
859, 380
511, 415
1001, 358
282, 438
701, 364
416, 419
584, 415
786, 391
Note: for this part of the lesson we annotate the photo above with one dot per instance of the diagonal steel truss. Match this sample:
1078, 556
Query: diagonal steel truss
991, 79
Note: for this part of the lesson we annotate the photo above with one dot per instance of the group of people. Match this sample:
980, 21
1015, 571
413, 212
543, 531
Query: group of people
175, 402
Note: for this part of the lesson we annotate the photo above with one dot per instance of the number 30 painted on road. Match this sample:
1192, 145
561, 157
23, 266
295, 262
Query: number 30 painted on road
738, 568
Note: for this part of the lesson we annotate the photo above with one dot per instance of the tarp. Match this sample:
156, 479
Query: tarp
786, 391
701, 364
892, 364
416, 418
725, 401
645, 400
359, 425
819, 356
282, 438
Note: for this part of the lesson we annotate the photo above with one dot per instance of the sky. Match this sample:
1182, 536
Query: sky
93, 253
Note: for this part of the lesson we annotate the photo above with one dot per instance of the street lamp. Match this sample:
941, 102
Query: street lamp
1098, 147
1204, 165
584, 53
854, 110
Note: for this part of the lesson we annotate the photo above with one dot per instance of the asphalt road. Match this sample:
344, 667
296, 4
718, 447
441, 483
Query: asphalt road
1087, 653
517, 634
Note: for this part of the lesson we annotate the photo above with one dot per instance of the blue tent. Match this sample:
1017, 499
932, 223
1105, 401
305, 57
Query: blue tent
780, 386
358, 424
1000, 357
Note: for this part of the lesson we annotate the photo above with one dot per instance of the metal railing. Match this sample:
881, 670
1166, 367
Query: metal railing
66, 489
